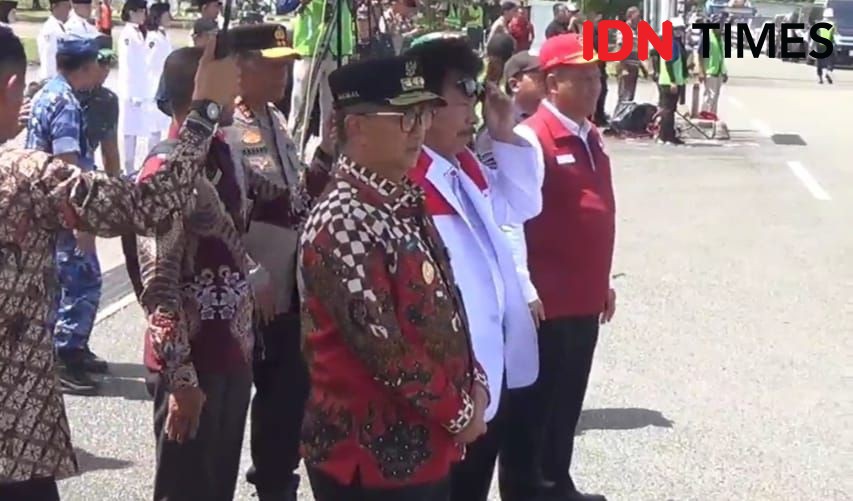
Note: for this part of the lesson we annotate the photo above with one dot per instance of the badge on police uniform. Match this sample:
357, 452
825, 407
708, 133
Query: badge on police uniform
251, 137
428, 272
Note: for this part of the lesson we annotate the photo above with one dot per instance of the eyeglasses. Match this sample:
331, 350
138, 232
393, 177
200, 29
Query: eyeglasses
410, 118
471, 88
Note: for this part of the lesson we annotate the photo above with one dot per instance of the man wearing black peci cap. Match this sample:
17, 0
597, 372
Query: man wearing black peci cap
260, 139
209, 9
202, 30
395, 389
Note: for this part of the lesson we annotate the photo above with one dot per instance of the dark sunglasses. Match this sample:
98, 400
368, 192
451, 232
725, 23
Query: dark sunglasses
471, 88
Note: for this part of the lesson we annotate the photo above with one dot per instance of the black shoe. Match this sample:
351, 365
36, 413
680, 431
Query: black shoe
289, 493
578, 496
73, 380
93, 363
829, 79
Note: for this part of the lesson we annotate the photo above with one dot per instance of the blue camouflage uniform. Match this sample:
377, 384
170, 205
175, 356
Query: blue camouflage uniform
57, 126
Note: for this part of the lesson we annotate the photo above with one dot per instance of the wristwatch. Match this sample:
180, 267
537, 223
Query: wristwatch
208, 109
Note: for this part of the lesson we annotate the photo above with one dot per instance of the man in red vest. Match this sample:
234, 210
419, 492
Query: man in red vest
569, 249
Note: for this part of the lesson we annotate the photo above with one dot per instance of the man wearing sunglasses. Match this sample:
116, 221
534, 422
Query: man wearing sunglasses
396, 392
468, 202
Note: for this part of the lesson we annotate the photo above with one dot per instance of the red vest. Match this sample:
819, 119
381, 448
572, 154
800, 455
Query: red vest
570, 243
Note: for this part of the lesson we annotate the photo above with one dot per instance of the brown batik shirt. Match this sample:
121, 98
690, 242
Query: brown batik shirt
40, 196
386, 339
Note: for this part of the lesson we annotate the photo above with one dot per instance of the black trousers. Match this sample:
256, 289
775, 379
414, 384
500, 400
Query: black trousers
508, 441
668, 101
207, 466
325, 488
566, 348
281, 390
36, 489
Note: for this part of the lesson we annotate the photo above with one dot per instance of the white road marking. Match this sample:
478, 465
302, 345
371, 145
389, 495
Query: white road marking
808, 180
762, 128
114, 308
735, 102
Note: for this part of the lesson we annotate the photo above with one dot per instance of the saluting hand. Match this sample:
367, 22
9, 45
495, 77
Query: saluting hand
499, 115
216, 80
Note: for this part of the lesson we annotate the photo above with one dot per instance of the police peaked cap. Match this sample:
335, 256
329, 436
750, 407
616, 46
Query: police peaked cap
269, 39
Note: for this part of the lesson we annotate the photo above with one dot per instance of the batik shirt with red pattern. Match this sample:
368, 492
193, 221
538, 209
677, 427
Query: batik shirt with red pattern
386, 338
194, 277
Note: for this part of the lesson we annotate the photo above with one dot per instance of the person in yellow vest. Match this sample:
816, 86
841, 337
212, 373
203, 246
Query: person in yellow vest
712, 69
317, 46
826, 64
453, 18
670, 77
475, 24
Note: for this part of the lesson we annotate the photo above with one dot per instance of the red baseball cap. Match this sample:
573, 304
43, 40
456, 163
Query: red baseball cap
563, 50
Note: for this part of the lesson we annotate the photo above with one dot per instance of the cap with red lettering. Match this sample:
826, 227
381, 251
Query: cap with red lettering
563, 50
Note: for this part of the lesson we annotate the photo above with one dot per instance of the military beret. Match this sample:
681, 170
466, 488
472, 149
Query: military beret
392, 81
76, 45
270, 39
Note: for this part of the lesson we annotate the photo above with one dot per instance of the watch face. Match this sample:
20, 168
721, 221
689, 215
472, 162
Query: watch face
213, 111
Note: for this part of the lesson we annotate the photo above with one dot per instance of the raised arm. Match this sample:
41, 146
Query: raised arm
108, 207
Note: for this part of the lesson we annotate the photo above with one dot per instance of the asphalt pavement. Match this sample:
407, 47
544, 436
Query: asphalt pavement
726, 373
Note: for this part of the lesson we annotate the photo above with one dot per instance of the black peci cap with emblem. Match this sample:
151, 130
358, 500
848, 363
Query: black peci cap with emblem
392, 81
268, 39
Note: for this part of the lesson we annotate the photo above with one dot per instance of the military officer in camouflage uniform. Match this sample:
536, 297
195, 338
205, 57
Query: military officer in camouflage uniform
259, 137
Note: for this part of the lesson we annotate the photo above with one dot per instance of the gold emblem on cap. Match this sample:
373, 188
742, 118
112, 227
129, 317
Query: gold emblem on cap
411, 68
428, 272
251, 137
280, 37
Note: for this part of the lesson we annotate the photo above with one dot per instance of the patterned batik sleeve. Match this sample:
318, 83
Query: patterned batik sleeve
93, 202
160, 259
345, 275
282, 206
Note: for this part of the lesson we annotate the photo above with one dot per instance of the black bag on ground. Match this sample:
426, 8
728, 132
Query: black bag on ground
632, 118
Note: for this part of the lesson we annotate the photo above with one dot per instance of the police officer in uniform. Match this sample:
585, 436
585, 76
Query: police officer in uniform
259, 137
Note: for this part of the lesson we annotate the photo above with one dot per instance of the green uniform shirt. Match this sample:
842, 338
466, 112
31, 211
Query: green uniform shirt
677, 78
310, 25
716, 63
453, 19
827, 33
476, 18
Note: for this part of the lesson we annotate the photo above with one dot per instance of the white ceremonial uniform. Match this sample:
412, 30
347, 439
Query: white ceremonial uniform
79, 26
159, 49
134, 86
48, 36
502, 329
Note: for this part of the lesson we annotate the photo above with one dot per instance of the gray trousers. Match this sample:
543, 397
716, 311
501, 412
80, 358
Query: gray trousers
205, 468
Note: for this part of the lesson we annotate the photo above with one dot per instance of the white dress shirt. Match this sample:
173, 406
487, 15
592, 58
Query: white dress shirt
46, 41
78, 25
515, 232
